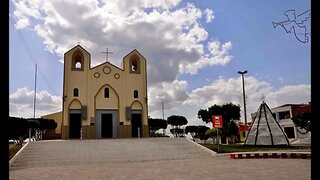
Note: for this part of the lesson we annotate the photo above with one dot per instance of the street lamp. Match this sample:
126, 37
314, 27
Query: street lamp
244, 102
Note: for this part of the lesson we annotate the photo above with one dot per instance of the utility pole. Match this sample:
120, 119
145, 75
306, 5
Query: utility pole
162, 109
34, 100
35, 94
244, 102
162, 105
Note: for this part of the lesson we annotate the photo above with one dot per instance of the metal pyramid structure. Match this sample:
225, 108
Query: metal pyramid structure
265, 129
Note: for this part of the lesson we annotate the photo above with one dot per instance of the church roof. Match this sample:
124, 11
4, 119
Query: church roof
134, 50
294, 105
77, 47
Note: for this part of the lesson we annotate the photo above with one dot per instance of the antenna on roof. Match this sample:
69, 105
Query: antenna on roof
263, 97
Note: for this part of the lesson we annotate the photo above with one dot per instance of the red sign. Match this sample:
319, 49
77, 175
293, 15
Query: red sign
217, 121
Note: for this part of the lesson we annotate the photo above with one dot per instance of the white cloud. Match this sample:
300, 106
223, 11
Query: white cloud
172, 94
290, 94
127, 7
219, 55
21, 103
170, 36
220, 91
24, 10
223, 90
165, 4
22, 23
209, 15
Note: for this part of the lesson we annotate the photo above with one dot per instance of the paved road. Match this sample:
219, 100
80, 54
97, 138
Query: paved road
148, 158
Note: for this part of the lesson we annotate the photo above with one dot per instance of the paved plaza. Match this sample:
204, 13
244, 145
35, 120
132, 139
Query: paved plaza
145, 158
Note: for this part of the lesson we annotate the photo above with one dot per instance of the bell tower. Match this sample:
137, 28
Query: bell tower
75, 82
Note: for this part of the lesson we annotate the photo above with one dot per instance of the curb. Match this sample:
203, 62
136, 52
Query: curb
17, 155
273, 155
212, 153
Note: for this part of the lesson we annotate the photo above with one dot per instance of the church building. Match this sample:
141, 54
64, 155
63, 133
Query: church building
104, 101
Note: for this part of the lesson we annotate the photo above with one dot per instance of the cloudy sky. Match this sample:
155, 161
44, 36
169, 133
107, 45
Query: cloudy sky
194, 50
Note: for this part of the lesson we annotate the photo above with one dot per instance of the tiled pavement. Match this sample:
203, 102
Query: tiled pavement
147, 158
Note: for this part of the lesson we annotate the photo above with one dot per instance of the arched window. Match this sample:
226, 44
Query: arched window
134, 64
77, 61
135, 94
106, 92
75, 92
78, 65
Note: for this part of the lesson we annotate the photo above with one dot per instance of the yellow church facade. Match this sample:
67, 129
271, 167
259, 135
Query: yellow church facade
104, 101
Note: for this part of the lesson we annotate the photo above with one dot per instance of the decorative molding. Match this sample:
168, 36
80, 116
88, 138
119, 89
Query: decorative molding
107, 70
116, 75
96, 75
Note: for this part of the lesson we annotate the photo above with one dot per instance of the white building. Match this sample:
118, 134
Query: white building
283, 115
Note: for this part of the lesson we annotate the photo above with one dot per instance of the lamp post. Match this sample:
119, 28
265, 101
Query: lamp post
244, 102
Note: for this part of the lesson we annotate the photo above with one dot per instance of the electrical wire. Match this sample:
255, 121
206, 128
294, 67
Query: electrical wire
26, 46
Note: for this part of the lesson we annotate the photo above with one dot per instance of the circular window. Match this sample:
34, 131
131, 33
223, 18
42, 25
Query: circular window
96, 75
117, 76
106, 70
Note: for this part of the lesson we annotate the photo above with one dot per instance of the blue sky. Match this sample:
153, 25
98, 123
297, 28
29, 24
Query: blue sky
194, 50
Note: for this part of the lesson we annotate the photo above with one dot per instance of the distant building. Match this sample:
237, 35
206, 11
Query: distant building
56, 134
283, 115
57, 117
241, 127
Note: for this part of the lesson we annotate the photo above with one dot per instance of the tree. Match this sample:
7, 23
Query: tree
227, 111
43, 127
193, 130
303, 120
232, 130
156, 124
177, 132
204, 115
211, 133
18, 129
176, 122
202, 133
33, 124
47, 124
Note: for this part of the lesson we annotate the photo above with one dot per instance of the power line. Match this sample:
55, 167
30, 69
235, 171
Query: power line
22, 39
25, 44
47, 82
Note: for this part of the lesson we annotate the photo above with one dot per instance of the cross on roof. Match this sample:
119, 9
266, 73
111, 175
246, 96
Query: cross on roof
107, 52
